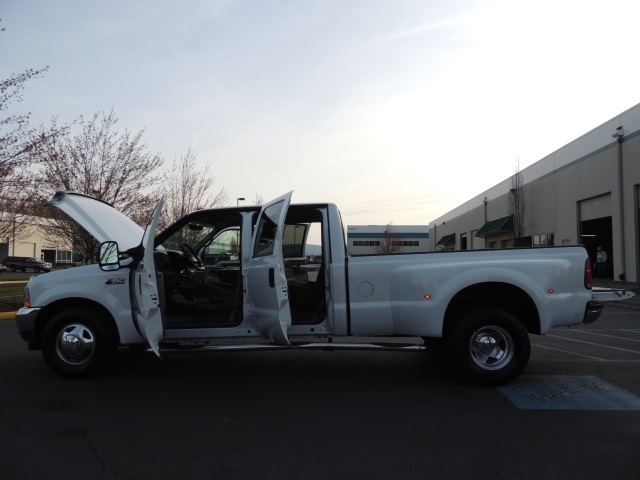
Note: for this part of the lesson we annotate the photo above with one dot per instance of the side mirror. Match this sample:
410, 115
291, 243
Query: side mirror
108, 256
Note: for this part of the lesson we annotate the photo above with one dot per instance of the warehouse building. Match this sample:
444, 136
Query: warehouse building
376, 239
587, 192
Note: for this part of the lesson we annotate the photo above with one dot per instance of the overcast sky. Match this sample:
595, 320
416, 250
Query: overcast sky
395, 110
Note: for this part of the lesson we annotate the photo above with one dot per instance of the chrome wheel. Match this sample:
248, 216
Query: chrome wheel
79, 341
75, 344
491, 347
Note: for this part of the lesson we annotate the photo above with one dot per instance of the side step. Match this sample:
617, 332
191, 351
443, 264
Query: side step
325, 346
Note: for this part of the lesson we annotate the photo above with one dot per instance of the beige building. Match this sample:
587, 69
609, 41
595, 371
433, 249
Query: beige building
587, 192
32, 241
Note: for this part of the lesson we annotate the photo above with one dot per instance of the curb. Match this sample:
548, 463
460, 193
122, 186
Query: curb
7, 315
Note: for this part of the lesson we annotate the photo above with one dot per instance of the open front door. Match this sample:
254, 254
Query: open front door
148, 317
267, 291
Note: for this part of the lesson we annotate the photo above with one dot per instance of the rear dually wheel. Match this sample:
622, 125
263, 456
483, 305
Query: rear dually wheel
489, 346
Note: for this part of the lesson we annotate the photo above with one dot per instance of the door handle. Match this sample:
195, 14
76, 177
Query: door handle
272, 278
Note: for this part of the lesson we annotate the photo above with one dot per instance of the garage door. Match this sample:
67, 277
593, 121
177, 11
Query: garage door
597, 207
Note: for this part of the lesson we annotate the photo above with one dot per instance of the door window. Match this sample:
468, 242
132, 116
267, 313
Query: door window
267, 230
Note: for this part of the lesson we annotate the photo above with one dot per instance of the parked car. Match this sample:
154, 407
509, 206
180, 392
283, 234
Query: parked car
24, 263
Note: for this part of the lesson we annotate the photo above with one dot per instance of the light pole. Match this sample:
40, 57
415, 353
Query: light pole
238, 200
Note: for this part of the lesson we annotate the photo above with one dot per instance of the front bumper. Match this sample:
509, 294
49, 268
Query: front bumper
26, 322
592, 312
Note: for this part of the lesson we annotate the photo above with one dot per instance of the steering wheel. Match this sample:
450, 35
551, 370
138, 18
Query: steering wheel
192, 257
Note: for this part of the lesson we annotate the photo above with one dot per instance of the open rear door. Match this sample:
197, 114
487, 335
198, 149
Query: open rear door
267, 291
148, 316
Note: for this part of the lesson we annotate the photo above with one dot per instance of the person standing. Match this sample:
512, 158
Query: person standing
601, 260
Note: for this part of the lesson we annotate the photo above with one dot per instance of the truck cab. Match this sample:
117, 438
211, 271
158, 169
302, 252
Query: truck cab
236, 272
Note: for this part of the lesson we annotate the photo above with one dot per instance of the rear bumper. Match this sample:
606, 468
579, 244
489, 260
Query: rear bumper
611, 294
592, 312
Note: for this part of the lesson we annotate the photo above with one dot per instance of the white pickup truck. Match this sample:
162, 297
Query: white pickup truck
233, 278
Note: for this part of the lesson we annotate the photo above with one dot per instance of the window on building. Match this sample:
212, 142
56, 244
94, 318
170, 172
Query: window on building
366, 243
543, 240
63, 256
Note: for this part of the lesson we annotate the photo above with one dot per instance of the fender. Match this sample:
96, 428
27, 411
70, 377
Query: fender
108, 289
442, 282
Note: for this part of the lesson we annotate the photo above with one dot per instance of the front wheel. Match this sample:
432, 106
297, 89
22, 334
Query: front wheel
36, 269
489, 346
12, 268
79, 342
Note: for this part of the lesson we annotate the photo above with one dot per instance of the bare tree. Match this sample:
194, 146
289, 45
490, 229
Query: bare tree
99, 161
17, 142
188, 188
390, 242
258, 200
517, 206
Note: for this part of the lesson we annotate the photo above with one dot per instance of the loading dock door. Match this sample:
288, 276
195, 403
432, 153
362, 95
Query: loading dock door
597, 207
596, 228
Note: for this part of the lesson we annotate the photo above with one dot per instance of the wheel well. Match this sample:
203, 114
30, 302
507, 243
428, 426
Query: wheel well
498, 295
52, 309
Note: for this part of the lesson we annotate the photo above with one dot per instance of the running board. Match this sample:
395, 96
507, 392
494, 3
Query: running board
328, 346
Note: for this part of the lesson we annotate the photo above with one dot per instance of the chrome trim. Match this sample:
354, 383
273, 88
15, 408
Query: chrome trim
610, 294
491, 347
75, 344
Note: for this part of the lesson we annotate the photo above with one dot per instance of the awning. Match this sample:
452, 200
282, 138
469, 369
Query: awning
499, 225
447, 239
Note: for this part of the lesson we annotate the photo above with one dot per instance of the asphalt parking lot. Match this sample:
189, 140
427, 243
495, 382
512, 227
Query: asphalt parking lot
574, 414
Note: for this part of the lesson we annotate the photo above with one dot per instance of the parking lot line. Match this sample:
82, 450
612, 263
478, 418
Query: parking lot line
595, 344
569, 352
605, 335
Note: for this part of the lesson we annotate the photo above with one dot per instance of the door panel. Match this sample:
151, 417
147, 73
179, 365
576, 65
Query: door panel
148, 315
267, 291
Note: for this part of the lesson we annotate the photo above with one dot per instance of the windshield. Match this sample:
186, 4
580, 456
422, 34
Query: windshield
194, 234
212, 235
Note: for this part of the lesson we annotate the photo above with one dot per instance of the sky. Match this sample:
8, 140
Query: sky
397, 111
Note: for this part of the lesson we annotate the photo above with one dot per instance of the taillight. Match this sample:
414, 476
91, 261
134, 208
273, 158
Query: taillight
588, 276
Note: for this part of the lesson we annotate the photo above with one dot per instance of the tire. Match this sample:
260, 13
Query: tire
36, 269
489, 346
12, 268
79, 342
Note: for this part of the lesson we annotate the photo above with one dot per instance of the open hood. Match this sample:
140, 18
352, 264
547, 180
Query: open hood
99, 218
